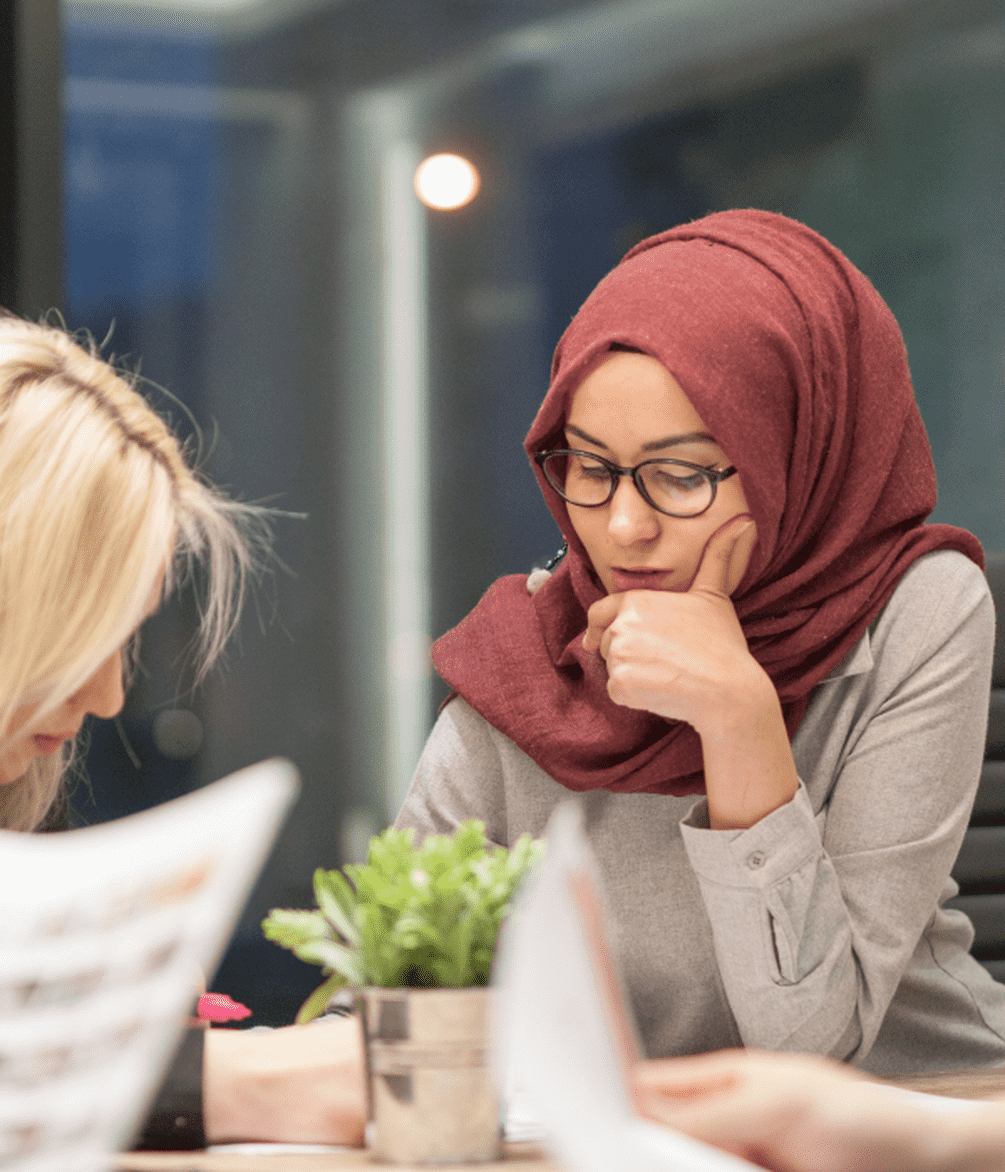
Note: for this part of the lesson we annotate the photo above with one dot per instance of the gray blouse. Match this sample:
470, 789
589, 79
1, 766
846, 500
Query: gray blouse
821, 927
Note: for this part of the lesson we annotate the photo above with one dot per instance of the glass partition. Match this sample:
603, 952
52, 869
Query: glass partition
240, 214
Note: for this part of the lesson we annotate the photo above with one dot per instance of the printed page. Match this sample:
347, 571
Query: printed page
563, 1033
106, 931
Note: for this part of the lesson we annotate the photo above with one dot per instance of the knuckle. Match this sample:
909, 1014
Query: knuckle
633, 616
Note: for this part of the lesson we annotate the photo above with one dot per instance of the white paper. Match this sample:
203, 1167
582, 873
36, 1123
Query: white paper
560, 1036
105, 933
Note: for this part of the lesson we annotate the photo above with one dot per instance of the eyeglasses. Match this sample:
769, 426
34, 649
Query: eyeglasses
677, 488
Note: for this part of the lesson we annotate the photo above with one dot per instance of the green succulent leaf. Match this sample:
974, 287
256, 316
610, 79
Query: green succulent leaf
337, 903
294, 928
314, 1006
424, 916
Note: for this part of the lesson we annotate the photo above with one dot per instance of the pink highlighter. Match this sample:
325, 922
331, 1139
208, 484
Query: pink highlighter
214, 1008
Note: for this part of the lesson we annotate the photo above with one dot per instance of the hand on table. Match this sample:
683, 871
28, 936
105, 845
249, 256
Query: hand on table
803, 1113
299, 1084
682, 656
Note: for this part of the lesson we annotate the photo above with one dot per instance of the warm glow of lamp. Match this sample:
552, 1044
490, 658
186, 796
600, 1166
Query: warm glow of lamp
446, 182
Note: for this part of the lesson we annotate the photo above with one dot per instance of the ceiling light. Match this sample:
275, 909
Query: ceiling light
446, 182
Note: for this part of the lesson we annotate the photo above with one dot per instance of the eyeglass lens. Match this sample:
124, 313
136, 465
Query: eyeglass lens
675, 488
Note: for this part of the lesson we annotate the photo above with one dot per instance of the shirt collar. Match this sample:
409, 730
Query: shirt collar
857, 662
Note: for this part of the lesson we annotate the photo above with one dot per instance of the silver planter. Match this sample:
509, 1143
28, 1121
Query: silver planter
432, 1098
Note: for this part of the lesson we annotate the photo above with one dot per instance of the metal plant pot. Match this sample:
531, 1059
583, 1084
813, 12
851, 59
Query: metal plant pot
432, 1098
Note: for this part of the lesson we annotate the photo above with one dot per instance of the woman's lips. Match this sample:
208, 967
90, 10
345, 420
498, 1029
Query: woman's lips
639, 579
47, 744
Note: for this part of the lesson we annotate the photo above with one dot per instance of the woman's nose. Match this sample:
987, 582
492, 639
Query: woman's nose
631, 518
103, 695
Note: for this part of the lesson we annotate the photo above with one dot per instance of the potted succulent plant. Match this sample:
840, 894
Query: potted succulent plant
414, 930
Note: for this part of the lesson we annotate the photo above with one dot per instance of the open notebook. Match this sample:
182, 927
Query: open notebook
105, 934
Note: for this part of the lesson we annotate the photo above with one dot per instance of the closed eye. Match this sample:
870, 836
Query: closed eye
689, 483
587, 469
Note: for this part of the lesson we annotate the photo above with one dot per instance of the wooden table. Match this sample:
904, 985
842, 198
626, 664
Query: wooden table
517, 1157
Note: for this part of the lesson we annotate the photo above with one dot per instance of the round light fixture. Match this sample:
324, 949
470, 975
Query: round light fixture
446, 182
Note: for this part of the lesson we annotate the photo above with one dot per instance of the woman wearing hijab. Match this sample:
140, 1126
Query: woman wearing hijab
764, 673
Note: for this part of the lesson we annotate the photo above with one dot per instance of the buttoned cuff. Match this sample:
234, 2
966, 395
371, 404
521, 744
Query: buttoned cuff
760, 856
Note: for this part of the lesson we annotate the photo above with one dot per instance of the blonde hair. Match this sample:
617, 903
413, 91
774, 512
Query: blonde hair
97, 501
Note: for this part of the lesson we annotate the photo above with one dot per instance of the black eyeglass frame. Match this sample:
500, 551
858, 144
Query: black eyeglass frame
714, 476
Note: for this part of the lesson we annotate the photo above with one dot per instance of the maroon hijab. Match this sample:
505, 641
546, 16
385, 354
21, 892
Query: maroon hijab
798, 369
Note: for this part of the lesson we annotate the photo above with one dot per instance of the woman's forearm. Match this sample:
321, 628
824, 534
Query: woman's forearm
299, 1084
796, 1112
749, 768
968, 1142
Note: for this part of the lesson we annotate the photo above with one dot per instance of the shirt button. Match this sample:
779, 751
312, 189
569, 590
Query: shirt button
755, 860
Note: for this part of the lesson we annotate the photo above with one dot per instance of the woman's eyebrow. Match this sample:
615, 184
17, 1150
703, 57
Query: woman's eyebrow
653, 445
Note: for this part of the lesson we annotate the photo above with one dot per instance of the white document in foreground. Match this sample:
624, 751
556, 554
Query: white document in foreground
105, 932
562, 1030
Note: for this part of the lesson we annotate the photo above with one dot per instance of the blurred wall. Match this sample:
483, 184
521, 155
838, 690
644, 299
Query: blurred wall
897, 156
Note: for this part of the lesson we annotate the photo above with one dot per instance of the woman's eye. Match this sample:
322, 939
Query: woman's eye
670, 482
590, 471
595, 472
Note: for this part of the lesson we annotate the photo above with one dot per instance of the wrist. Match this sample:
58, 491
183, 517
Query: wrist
229, 1091
749, 768
298, 1084
748, 704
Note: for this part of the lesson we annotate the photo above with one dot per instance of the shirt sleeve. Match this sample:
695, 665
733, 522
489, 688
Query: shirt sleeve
175, 1120
459, 776
815, 915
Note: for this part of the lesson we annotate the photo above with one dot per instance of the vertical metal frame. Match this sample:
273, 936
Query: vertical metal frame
31, 190
384, 273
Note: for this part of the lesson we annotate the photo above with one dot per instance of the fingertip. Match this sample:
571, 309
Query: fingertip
730, 532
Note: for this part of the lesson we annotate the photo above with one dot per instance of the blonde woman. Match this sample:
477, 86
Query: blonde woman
101, 517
